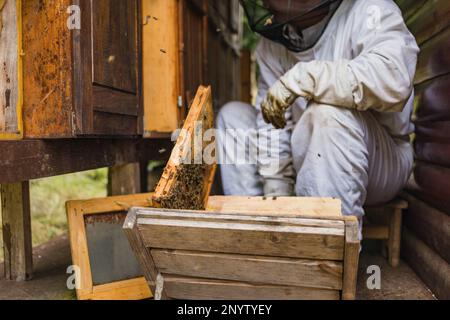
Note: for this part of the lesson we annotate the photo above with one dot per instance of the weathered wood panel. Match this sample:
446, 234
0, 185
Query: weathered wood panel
48, 67
115, 44
10, 69
82, 79
409, 7
430, 19
195, 43
433, 152
433, 100
434, 59
433, 270
430, 224
275, 271
240, 235
161, 66
201, 289
434, 185
436, 131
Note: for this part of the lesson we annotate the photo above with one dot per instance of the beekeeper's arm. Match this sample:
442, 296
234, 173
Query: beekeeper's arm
275, 164
379, 78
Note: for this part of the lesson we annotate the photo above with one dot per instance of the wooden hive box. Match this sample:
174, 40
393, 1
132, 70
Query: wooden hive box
70, 68
245, 248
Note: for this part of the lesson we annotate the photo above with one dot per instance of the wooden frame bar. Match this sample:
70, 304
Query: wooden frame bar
34, 159
14, 82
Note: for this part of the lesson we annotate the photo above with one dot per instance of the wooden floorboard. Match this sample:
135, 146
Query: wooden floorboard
52, 259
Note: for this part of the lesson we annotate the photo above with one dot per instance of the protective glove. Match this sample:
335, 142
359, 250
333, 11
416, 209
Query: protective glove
278, 100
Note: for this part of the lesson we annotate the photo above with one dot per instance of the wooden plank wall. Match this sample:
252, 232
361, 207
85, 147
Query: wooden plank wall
198, 44
224, 37
10, 70
426, 240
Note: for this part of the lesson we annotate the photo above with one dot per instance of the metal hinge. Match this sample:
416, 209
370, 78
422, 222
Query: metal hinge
180, 102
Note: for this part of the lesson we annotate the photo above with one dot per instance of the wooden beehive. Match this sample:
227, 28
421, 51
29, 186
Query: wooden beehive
81, 71
245, 252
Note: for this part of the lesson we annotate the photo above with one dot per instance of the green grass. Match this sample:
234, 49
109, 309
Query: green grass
48, 198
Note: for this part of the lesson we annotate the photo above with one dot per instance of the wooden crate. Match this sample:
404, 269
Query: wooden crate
305, 250
82, 80
11, 127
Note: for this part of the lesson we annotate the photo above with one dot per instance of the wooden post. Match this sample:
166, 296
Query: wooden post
17, 231
395, 237
351, 259
124, 180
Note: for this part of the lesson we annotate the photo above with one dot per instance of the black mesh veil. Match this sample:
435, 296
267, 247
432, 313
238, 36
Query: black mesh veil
290, 28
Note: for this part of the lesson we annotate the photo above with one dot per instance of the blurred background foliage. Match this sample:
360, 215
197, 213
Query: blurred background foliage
250, 38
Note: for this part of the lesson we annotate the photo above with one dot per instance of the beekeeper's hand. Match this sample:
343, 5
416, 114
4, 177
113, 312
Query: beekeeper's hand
278, 100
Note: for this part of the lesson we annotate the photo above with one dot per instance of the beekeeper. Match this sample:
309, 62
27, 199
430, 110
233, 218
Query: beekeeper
336, 86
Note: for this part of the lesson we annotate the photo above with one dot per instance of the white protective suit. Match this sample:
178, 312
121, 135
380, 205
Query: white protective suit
348, 135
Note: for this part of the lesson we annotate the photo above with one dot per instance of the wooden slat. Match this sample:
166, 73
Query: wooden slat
434, 185
11, 70
241, 237
434, 59
275, 271
115, 102
409, 7
313, 207
433, 270
200, 289
430, 225
278, 219
433, 152
430, 19
432, 100
437, 131
134, 289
